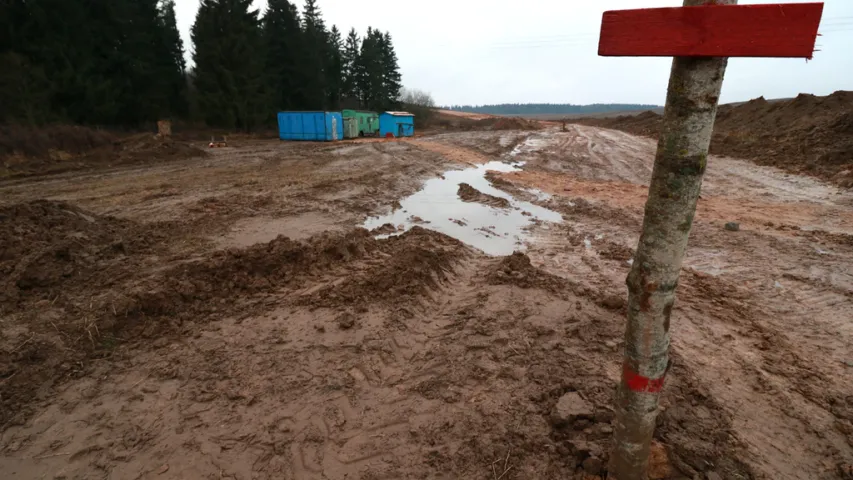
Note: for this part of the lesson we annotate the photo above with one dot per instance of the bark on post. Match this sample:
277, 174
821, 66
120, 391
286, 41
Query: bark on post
682, 154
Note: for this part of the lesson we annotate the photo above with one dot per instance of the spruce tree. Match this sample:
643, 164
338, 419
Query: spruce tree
84, 62
229, 68
334, 69
283, 45
108, 69
173, 63
369, 70
24, 88
391, 78
314, 57
348, 66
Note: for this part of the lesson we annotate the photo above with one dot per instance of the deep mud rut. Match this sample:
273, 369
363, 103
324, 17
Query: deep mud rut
155, 327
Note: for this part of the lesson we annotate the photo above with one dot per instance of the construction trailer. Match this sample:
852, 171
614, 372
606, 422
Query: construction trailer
363, 123
311, 126
396, 124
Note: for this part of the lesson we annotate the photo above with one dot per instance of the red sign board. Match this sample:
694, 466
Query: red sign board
784, 30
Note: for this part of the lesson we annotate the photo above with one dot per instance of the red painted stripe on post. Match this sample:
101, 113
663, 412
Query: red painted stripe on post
638, 383
783, 30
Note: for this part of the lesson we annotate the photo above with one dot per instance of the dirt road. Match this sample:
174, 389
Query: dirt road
155, 327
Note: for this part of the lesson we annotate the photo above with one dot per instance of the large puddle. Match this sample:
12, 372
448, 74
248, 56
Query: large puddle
437, 206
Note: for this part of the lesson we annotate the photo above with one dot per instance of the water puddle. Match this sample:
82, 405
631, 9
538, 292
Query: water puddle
437, 206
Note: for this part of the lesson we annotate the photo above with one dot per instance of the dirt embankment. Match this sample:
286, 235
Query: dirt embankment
445, 120
807, 134
30, 151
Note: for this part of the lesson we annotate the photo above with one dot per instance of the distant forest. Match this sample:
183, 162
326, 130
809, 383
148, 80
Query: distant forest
548, 108
121, 63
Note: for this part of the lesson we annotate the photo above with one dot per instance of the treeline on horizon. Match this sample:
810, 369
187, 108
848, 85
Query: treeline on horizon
121, 63
548, 108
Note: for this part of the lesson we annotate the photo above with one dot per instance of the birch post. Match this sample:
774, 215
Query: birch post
701, 37
680, 161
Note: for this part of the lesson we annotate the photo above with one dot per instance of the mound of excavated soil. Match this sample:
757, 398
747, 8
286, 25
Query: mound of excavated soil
18, 143
807, 134
487, 123
46, 245
26, 151
517, 270
510, 123
470, 194
422, 261
147, 147
397, 270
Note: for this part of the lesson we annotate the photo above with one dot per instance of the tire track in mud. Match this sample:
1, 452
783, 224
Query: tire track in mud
615, 155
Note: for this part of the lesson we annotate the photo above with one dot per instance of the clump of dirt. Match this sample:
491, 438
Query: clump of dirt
418, 262
615, 251
807, 134
384, 229
47, 245
517, 270
470, 194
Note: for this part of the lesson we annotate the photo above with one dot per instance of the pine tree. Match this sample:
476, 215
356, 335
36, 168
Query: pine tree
283, 43
314, 57
173, 63
348, 66
229, 77
121, 62
334, 69
391, 78
111, 68
80, 90
24, 88
369, 70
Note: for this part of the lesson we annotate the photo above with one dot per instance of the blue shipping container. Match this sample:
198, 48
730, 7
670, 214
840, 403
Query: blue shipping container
396, 124
312, 126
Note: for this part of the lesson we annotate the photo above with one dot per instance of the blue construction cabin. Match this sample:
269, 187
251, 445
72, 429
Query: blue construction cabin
396, 124
311, 126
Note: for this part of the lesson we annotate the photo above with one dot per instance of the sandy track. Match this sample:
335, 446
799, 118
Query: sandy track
341, 356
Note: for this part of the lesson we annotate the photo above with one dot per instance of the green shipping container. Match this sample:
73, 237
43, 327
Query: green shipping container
350, 127
367, 123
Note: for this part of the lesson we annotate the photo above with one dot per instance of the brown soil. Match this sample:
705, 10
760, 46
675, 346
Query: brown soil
463, 121
808, 134
470, 194
25, 152
225, 317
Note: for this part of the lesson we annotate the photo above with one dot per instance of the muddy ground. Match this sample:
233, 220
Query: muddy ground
225, 316
808, 135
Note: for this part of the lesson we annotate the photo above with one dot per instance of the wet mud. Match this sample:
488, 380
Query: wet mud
315, 311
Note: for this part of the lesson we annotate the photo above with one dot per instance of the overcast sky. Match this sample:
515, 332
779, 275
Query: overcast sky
500, 51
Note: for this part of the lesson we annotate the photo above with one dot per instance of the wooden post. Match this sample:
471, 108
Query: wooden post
164, 128
701, 37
